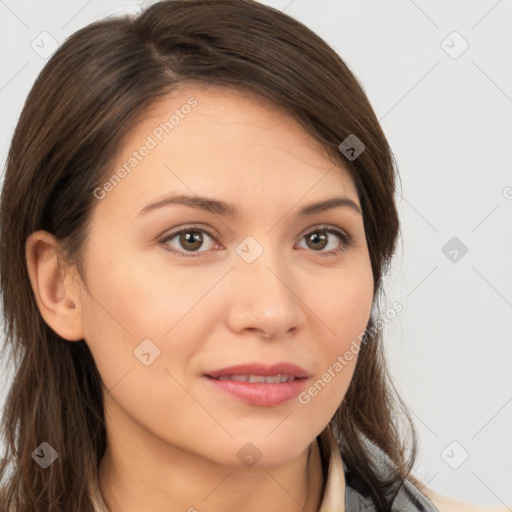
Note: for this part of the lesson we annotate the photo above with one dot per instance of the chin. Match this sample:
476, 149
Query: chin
260, 452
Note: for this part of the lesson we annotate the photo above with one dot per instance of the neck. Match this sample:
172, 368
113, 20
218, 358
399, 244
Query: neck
138, 475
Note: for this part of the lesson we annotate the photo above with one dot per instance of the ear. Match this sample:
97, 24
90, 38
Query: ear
56, 286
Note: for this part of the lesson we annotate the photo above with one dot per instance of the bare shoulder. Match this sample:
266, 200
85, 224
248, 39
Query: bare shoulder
446, 504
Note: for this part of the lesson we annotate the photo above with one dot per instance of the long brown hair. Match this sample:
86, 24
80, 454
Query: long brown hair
89, 94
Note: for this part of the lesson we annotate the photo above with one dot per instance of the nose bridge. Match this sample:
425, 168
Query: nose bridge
264, 265
264, 298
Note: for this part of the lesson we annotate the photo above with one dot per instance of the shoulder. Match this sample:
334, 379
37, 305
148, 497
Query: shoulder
446, 504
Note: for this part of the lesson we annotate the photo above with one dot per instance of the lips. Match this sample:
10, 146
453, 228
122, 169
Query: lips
259, 384
254, 370
253, 379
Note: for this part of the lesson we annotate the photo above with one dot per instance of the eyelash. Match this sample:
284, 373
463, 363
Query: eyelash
346, 239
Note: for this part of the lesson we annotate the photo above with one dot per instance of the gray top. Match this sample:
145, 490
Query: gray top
409, 499
357, 496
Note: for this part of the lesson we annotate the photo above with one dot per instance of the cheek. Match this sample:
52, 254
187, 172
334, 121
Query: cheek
346, 301
131, 301
345, 307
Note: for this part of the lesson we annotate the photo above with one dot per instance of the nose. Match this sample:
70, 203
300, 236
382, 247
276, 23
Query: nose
265, 297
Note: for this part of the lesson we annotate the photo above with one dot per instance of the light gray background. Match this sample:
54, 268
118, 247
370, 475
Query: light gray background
448, 119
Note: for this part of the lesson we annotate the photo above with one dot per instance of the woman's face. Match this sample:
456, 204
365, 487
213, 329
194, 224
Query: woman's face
268, 285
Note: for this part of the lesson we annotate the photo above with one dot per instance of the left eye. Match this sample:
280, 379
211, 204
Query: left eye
320, 236
191, 239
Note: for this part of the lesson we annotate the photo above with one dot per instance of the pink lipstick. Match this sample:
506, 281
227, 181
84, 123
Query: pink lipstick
259, 384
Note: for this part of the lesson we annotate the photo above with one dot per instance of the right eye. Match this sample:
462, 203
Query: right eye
190, 239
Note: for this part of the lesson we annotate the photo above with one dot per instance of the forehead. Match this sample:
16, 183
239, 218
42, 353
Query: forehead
225, 143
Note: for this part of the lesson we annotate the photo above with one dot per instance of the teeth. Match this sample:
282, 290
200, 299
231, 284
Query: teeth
259, 378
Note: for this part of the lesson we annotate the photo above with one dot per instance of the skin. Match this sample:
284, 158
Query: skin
173, 438
205, 313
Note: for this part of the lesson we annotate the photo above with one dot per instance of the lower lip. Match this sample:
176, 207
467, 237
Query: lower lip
260, 393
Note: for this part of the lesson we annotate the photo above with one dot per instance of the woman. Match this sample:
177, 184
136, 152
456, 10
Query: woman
196, 216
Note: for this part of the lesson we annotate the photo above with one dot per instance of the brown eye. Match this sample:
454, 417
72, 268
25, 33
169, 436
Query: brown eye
189, 240
319, 239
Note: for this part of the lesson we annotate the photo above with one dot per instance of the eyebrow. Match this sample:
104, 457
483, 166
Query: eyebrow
228, 210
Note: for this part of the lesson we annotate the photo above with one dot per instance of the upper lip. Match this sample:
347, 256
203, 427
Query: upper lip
260, 369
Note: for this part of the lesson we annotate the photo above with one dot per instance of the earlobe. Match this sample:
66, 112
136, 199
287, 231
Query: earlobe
55, 288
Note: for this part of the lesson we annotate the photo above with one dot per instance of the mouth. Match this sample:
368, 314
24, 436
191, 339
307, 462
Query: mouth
247, 371
274, 379
257, 384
